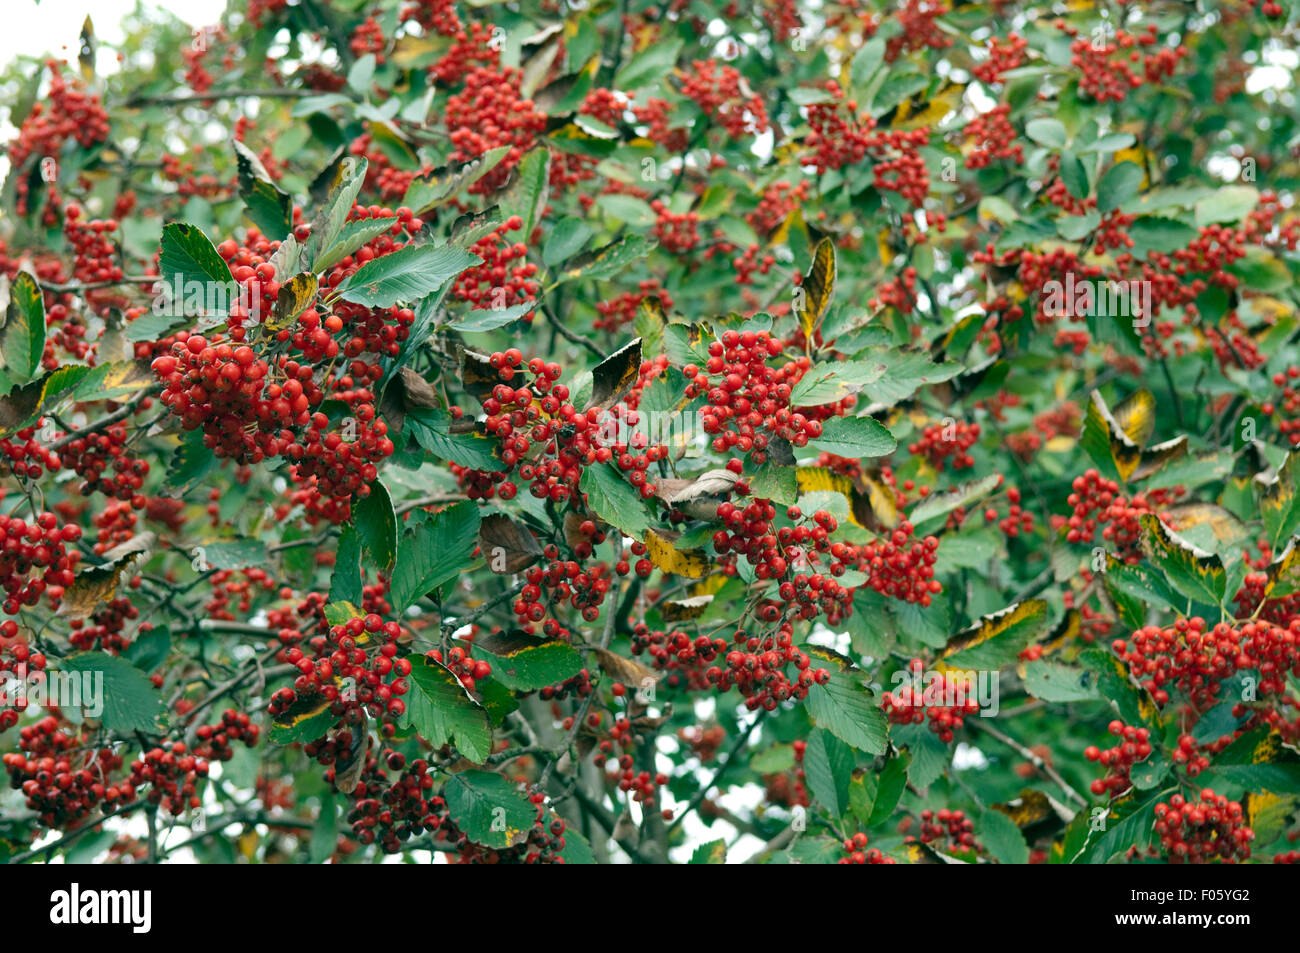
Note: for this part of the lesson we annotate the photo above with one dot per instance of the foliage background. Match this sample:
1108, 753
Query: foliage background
919, 325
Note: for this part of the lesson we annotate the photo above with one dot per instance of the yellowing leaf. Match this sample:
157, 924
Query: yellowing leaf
661, 551
681, 610
1014, 628
1136, 416
816, 290
294, 297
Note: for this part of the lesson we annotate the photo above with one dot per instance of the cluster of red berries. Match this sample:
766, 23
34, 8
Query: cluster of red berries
1201, 832
368, 37
948, 441
721, 92
748, 401
901, 566
26, 457
63, 779
440, 16
1018, 519
355, 666
757, 666
840, 135
655, 115
469, 48
775, 205
616, 312
1103, 77
994, 138
489, 112
943, 699
173, 774
556, 583
66, 111
340, 467
676, 232
39, 545
1096, 501
1196, 658
106, 628
102, 461
951, 830
505, 278
1134, 746
1003, 56
1287, 405
214, 740
222, 389
468, 670
93, 253
856, 853
1188, 753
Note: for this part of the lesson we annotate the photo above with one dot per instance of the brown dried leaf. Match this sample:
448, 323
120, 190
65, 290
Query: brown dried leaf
624, 669
507, 546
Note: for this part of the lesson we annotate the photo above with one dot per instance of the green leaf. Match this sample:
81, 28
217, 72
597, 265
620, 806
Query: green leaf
627, 209
929, 755
430, 190
773, 760
649, 66
325, 835
1074, 175
941, 504
1047, 132
1133, 829
569, 236
905, 372
525, 663
608, 261
436, 549
489, 809
614, 500
779, 484
1003, 839
828, 765
22, 340
865, 63
235, 553
1231, 203
345, 580
308, 718
489, 319
893, 780
188, 264
376, 525
431, 430
191, 462
1120, 183
442, 712
844, 706
149, 649
327, 226
362, 74
1053, 682
713, 852
856, 437
130, 701
354, 234
831, 381
526, 194
1197, 574
406, 275
268, 206
1279, 502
